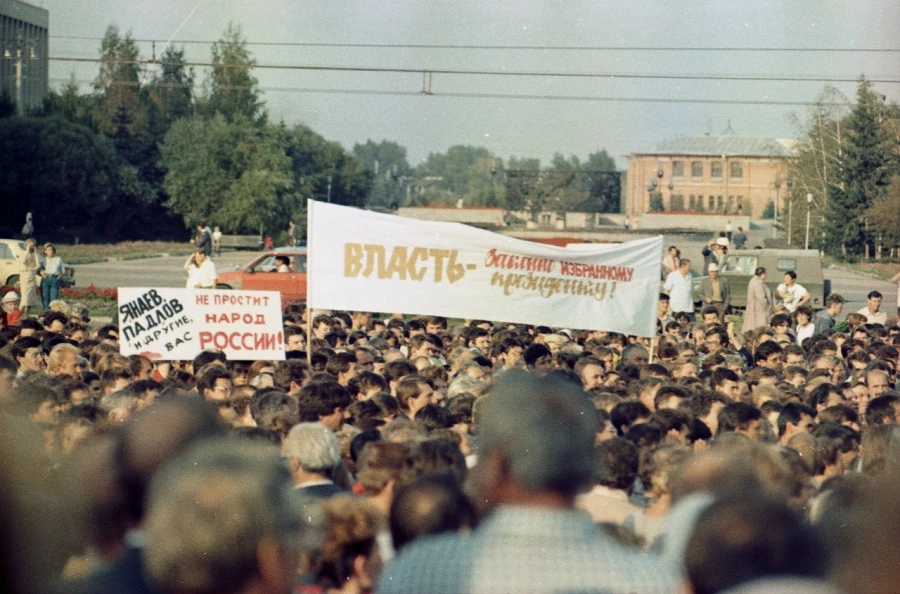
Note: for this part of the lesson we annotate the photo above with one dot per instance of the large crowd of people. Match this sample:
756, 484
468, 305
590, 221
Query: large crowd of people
419, 454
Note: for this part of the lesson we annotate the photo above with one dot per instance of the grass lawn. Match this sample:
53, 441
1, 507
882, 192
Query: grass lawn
88, 252
882, 270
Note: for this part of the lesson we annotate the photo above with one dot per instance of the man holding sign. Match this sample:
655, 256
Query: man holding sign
369, 261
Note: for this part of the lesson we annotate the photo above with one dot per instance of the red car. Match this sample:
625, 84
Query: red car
262, 274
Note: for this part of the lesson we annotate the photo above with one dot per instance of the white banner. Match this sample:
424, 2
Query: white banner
177, 324
365, 261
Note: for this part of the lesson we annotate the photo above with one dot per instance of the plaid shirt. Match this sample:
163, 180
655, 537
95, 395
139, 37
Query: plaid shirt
520, 549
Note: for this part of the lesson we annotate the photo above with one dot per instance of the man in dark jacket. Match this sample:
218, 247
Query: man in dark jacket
203, 241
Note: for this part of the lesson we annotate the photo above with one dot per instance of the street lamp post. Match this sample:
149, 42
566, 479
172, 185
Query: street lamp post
808, 207
790, 183
777, 191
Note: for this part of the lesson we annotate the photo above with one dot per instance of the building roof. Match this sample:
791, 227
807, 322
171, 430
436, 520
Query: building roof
746, 146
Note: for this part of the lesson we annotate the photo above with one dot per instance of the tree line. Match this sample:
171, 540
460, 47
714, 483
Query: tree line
846, 175
142, 155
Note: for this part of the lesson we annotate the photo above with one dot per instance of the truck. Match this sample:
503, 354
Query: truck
739, 266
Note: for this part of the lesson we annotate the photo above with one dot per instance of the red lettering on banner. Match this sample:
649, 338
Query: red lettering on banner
241, 341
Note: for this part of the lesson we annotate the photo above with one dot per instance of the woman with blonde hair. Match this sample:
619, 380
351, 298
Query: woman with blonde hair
29, 265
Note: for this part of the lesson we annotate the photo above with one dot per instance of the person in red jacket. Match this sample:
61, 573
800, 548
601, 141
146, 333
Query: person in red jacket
11, 308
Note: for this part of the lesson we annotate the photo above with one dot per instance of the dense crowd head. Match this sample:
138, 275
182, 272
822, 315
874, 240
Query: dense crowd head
720, 456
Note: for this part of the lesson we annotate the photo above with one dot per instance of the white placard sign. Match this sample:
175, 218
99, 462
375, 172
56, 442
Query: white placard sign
360, 260
177, 324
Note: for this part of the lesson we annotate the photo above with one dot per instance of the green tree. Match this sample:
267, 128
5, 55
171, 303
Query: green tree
466, 172
68, 176
885, 217
235, 173
819, 151
869, 160
231, 89
391, 174
118, 85
314, 160
68, 103
172, 87
606, 183
600, 161
7, 105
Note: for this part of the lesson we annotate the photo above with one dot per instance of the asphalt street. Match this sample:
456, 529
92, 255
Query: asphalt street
168, 271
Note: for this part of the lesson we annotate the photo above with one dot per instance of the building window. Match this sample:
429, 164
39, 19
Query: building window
692, 201
712, 203
737, 171
697, 170
715, 170
676, 202
677, 169
719, 203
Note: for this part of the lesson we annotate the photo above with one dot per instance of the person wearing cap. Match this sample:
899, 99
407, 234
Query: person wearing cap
719, 252
715, 291
11, 311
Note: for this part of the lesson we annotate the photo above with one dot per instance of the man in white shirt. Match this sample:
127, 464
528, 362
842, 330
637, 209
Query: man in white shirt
206, 276
790, 293
680, 287
872, 310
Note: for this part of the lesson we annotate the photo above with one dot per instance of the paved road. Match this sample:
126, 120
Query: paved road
168, 272
149, 272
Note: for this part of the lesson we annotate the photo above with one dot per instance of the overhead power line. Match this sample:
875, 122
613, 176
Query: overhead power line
452, 95
567, 48
513, 73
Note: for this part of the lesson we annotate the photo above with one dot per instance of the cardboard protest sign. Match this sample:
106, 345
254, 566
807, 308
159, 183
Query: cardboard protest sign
367, 261
177, 324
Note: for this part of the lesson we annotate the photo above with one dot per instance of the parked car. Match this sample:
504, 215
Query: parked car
11, 250
740, 265
261, 275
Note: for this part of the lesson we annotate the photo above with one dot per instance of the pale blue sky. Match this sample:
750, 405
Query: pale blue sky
533, 128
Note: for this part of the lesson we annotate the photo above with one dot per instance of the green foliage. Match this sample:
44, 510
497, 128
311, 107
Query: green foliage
885, 216
66, 175
67, 103
231, 88
7, 105
117, 86
235, 174
570, 185
314, 159
869, 159
463, 172
390, 172
769, 210
656, 202
172, 87
818, 150
242, 175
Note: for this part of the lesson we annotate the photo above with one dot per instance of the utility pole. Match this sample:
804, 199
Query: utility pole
18, 53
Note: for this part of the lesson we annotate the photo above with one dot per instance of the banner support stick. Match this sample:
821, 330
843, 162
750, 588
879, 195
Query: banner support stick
309, 277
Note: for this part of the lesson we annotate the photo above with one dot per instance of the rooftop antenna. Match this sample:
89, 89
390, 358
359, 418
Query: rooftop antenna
728, 131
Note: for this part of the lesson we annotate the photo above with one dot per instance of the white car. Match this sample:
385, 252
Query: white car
10, 252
